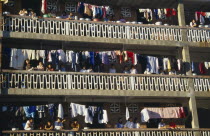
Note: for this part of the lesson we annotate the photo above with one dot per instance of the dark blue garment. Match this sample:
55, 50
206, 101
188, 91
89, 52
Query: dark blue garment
92, 60
29, 111
100, 113
81, 8
156, 13
51, 108
6, 54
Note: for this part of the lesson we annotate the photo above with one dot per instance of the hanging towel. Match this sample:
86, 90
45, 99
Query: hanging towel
127, 115
202, 68
169, 65
60, 111
44, 6
87, 10
105, 118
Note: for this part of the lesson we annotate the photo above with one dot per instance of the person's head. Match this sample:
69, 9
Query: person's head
62, 66
162, 120
112, 66
135, 120
58, 120
30, 120
40, 63
120, 120
132, 67
193, 20
49, 66
126, 68
49, 123
71, 14
83, 67
130, 119
75, 121
27, 61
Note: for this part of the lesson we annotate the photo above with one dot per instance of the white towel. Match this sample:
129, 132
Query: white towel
127, 115
60, 111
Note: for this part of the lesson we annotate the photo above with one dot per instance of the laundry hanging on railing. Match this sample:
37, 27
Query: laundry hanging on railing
60, 111
73, 60
93, 10
158, 13
156, 113
89, 113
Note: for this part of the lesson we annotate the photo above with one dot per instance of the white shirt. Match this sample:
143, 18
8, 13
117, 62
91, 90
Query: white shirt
28, 126
136, 125
83, 70
160, 125
191, 24
112, 70
129, 124
133, 71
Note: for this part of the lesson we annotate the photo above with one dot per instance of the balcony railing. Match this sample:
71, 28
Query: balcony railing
100, 81
104, 29
112, 132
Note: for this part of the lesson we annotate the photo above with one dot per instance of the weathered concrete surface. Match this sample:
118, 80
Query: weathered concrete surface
54, 37
118, 93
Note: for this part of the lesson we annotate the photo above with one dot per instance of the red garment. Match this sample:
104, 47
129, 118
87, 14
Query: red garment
44, 6
202, 68
172, 125
131, 55
203, 14
181, 113
104, 12
197, 15
169, 12
174, 13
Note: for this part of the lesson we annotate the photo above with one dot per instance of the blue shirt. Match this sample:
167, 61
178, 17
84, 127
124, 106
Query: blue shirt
119, 125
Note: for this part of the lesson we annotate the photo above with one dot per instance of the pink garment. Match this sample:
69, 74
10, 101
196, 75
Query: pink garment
169, 112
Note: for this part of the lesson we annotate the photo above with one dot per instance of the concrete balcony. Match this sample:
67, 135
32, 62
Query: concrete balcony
112, 132
104, 32
39, 83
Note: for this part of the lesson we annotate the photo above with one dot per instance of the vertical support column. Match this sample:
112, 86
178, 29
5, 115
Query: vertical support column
186, 60
181, 15
193, 110
181, 19
192, 99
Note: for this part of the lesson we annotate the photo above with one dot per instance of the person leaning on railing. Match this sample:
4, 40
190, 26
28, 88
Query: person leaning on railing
161, 125
193, 23
29, 124
75, 125
58, 125
48, 126
119, 124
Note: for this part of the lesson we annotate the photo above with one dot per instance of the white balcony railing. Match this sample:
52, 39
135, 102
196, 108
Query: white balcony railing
100, 81
104, 29
112, 132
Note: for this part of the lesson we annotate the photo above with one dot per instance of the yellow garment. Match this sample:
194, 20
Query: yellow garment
169, 65
87, 10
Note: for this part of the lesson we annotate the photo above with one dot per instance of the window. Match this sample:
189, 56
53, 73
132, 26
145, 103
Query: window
70, 7
114, 107
110, 11
126, 12
52, 5
133, 108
